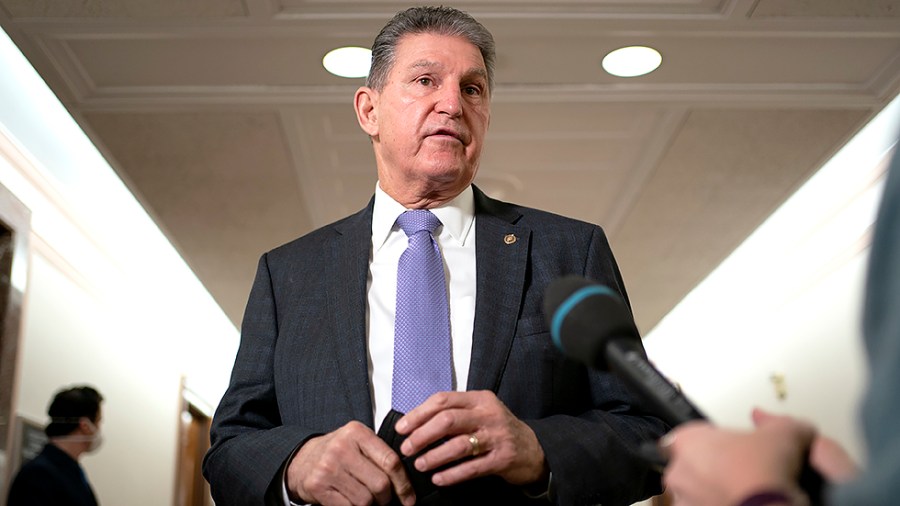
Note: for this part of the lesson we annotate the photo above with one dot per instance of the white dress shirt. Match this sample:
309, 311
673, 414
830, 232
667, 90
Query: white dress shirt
456, 240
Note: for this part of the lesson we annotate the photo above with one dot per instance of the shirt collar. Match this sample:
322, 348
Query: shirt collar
456, 216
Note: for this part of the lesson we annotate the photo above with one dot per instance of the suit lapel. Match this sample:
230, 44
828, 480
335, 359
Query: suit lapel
346, 308
501, 249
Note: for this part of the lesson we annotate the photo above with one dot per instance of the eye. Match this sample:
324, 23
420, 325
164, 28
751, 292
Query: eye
472, 90
425, 81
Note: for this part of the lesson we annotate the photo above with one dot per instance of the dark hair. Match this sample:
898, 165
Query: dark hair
436, 20
69, 406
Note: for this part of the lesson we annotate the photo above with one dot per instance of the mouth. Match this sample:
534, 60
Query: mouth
447, 133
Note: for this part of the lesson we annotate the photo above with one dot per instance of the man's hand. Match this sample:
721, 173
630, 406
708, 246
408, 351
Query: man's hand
477, 425
350, 466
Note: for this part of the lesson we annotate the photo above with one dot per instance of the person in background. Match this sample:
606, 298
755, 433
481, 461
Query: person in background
54, 476
715, 466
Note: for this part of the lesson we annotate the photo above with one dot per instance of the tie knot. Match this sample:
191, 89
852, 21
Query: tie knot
418, 220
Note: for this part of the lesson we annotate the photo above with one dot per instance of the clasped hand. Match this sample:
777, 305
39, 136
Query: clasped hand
353, 466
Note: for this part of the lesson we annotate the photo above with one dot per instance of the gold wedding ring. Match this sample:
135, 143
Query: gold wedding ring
476, 449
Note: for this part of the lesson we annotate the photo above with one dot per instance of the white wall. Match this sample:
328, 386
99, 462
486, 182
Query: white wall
108, 300
788, 301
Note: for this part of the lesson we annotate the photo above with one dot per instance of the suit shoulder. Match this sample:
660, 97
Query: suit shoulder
540, 219
37, 470
321, 237
542, 216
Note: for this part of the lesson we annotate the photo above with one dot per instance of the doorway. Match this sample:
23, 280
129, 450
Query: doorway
190, 488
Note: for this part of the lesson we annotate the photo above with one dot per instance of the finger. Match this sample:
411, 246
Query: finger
445, 424
831, 460
365, 481
332, 497
435, 404
800, 431
664, 444
464, 471
761, 416
657, 454
390, 477
357, 492
337, 467
678, 436
403, 488
448, 414
457, 448
334, 489
373, 484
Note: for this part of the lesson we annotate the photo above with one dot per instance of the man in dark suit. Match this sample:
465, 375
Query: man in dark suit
312, 380
54, 476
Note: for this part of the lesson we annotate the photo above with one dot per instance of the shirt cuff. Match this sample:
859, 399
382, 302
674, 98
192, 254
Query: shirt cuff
284, 491
547, 493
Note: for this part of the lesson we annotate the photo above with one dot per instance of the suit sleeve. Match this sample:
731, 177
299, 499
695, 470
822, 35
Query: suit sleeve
249, 444
592, 452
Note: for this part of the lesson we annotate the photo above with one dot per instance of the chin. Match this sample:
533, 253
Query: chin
450, 175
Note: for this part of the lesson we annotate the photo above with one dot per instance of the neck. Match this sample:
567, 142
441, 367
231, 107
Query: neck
73, 449
419, 191
412, 199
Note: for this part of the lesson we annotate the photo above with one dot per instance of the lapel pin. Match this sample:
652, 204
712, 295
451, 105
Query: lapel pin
509, 238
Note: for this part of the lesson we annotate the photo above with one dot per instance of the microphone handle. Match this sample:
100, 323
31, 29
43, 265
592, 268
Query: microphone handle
626, 359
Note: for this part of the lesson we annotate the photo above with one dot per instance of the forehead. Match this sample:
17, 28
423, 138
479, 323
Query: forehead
431, 49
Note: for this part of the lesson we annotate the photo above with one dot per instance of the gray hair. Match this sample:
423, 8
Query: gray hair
435, 20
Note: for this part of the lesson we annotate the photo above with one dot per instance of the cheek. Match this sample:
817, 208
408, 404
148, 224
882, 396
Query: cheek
475, 147
405, 128
473, 150
398, 135
479, 127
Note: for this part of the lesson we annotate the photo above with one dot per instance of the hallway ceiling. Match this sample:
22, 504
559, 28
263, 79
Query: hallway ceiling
218, 115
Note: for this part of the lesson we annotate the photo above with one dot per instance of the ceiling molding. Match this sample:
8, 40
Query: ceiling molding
141, 98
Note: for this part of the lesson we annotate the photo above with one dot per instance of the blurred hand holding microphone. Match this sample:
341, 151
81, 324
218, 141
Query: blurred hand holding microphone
591, 324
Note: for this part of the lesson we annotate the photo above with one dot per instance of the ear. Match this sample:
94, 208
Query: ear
366, 104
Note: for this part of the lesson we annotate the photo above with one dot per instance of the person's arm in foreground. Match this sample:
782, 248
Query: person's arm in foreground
715, 466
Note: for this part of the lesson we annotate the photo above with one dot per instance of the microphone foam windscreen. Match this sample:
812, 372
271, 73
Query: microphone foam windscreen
584, 316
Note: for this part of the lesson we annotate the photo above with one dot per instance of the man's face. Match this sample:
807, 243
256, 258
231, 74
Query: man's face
429, 121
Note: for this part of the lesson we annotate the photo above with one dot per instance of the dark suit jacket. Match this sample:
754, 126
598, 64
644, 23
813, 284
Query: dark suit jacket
301, 368
52, 477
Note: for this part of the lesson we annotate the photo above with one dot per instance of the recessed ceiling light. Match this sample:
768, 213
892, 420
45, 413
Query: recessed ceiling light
348, 61
632, 61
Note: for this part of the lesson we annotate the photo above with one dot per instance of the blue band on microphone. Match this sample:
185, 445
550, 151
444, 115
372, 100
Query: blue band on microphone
568, 304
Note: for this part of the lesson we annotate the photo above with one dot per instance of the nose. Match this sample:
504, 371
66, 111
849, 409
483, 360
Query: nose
449, 101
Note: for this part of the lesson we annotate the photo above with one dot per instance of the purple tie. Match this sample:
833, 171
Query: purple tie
422, 359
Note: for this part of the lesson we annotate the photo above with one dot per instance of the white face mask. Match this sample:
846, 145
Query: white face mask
95, 439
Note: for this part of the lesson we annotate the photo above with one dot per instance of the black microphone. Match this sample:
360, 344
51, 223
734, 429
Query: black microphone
590, 323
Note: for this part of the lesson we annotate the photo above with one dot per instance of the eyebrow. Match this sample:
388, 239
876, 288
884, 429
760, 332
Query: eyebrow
474, 71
